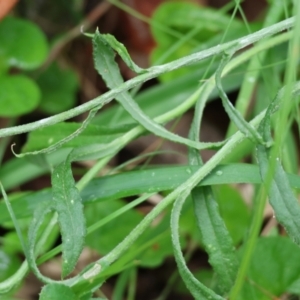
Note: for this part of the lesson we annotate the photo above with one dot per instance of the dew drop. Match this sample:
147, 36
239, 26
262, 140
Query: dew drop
50, 141
219, 173
188, 171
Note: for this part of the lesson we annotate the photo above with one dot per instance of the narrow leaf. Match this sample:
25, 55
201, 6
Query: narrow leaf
141, 181
214, 234
38, 217
108, 69
232, 112
65, 140
197, 289
42, 138
13, 218
122, 51
285, 204
215, 237
281, 195
67, 203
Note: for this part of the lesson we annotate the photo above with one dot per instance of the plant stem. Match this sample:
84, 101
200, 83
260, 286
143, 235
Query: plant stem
152, 73
107, 260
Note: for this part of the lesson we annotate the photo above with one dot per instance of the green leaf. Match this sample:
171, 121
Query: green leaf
23, 44
234, 211
68, 205
45, 137
215, 238
196, 27
57, 291
285, 204
281, 196
161, 98
41, 210
197, 289
113, 232
214, 234
231, 111
109, 70
270, 271
137, 182
58, 87
9, 264
18, 95
17, 171
54, 147
122, 51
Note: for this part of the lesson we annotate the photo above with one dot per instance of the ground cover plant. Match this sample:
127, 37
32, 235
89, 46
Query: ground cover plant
201, 54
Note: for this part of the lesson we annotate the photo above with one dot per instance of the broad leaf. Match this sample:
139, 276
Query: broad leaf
58, 87
18, 95
57, 291
23, 44
274, 267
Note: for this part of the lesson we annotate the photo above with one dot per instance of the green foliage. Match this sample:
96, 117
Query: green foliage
18, 95
208, 212
23, 44
270, 270
51, 291
67, 204
197, 27
57, 84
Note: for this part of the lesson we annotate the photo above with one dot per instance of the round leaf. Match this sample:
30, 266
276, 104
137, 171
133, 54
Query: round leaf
273, 268
58, 89
57, 291
18, 95
8, 265
23, 44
